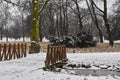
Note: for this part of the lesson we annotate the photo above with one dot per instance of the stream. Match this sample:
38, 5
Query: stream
93, 72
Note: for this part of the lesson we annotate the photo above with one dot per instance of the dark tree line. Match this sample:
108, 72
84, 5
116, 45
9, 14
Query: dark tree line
62, 18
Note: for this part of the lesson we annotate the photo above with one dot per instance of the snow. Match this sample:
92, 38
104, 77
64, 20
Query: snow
45, 40
21, 39
30, 68
35, 2
13, 40
116, 41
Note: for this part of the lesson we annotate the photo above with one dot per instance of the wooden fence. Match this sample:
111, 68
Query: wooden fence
55, 54
12, 51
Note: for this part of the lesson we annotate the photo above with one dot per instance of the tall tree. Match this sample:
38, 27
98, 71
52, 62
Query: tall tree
35, 46
6, 21
79, 15
35, 21
94, 18
106, 23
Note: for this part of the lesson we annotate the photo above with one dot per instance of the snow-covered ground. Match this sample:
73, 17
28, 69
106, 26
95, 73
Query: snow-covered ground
11, 39
21, 39
30, 68
45, 40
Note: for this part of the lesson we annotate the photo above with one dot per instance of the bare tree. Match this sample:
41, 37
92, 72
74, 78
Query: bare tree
107, 24
36, 11
94, 18
6, 21
105, 18
78, 14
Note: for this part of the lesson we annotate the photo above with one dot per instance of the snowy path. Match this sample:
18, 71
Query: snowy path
30, 68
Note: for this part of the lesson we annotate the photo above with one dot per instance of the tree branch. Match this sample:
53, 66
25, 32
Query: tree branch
89, 9
97, 6
73, 10
42, 8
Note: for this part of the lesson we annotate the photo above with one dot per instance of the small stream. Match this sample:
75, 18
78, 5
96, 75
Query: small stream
93, 72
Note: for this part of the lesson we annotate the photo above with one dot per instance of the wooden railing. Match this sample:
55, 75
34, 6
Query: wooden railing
55, 54
12, 51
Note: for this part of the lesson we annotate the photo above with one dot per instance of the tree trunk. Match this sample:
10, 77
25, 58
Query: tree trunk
35, 21
97, 24
35, 46
23, 30
101, 36
65, 19
51, 18
57, 27
1, 33
111, 43
79, 16
95, 20
61, 21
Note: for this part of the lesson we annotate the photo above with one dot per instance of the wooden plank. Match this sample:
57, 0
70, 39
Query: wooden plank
22, 50
47, 56
25, 49
51, 56
4, 52
10, 51
60, 53
0, 52
14, 51
18, 50
55, 53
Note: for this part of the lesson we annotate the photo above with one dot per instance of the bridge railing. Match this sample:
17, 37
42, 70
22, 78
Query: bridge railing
10, 51
55, 55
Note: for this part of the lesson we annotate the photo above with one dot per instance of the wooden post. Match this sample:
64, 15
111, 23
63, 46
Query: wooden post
47, 56
54, 55
0, 52
60, 53
22, 51
55, 60
9, 51
14, 51
64, 52
4, 52
18, 50
51, 55
25, 50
